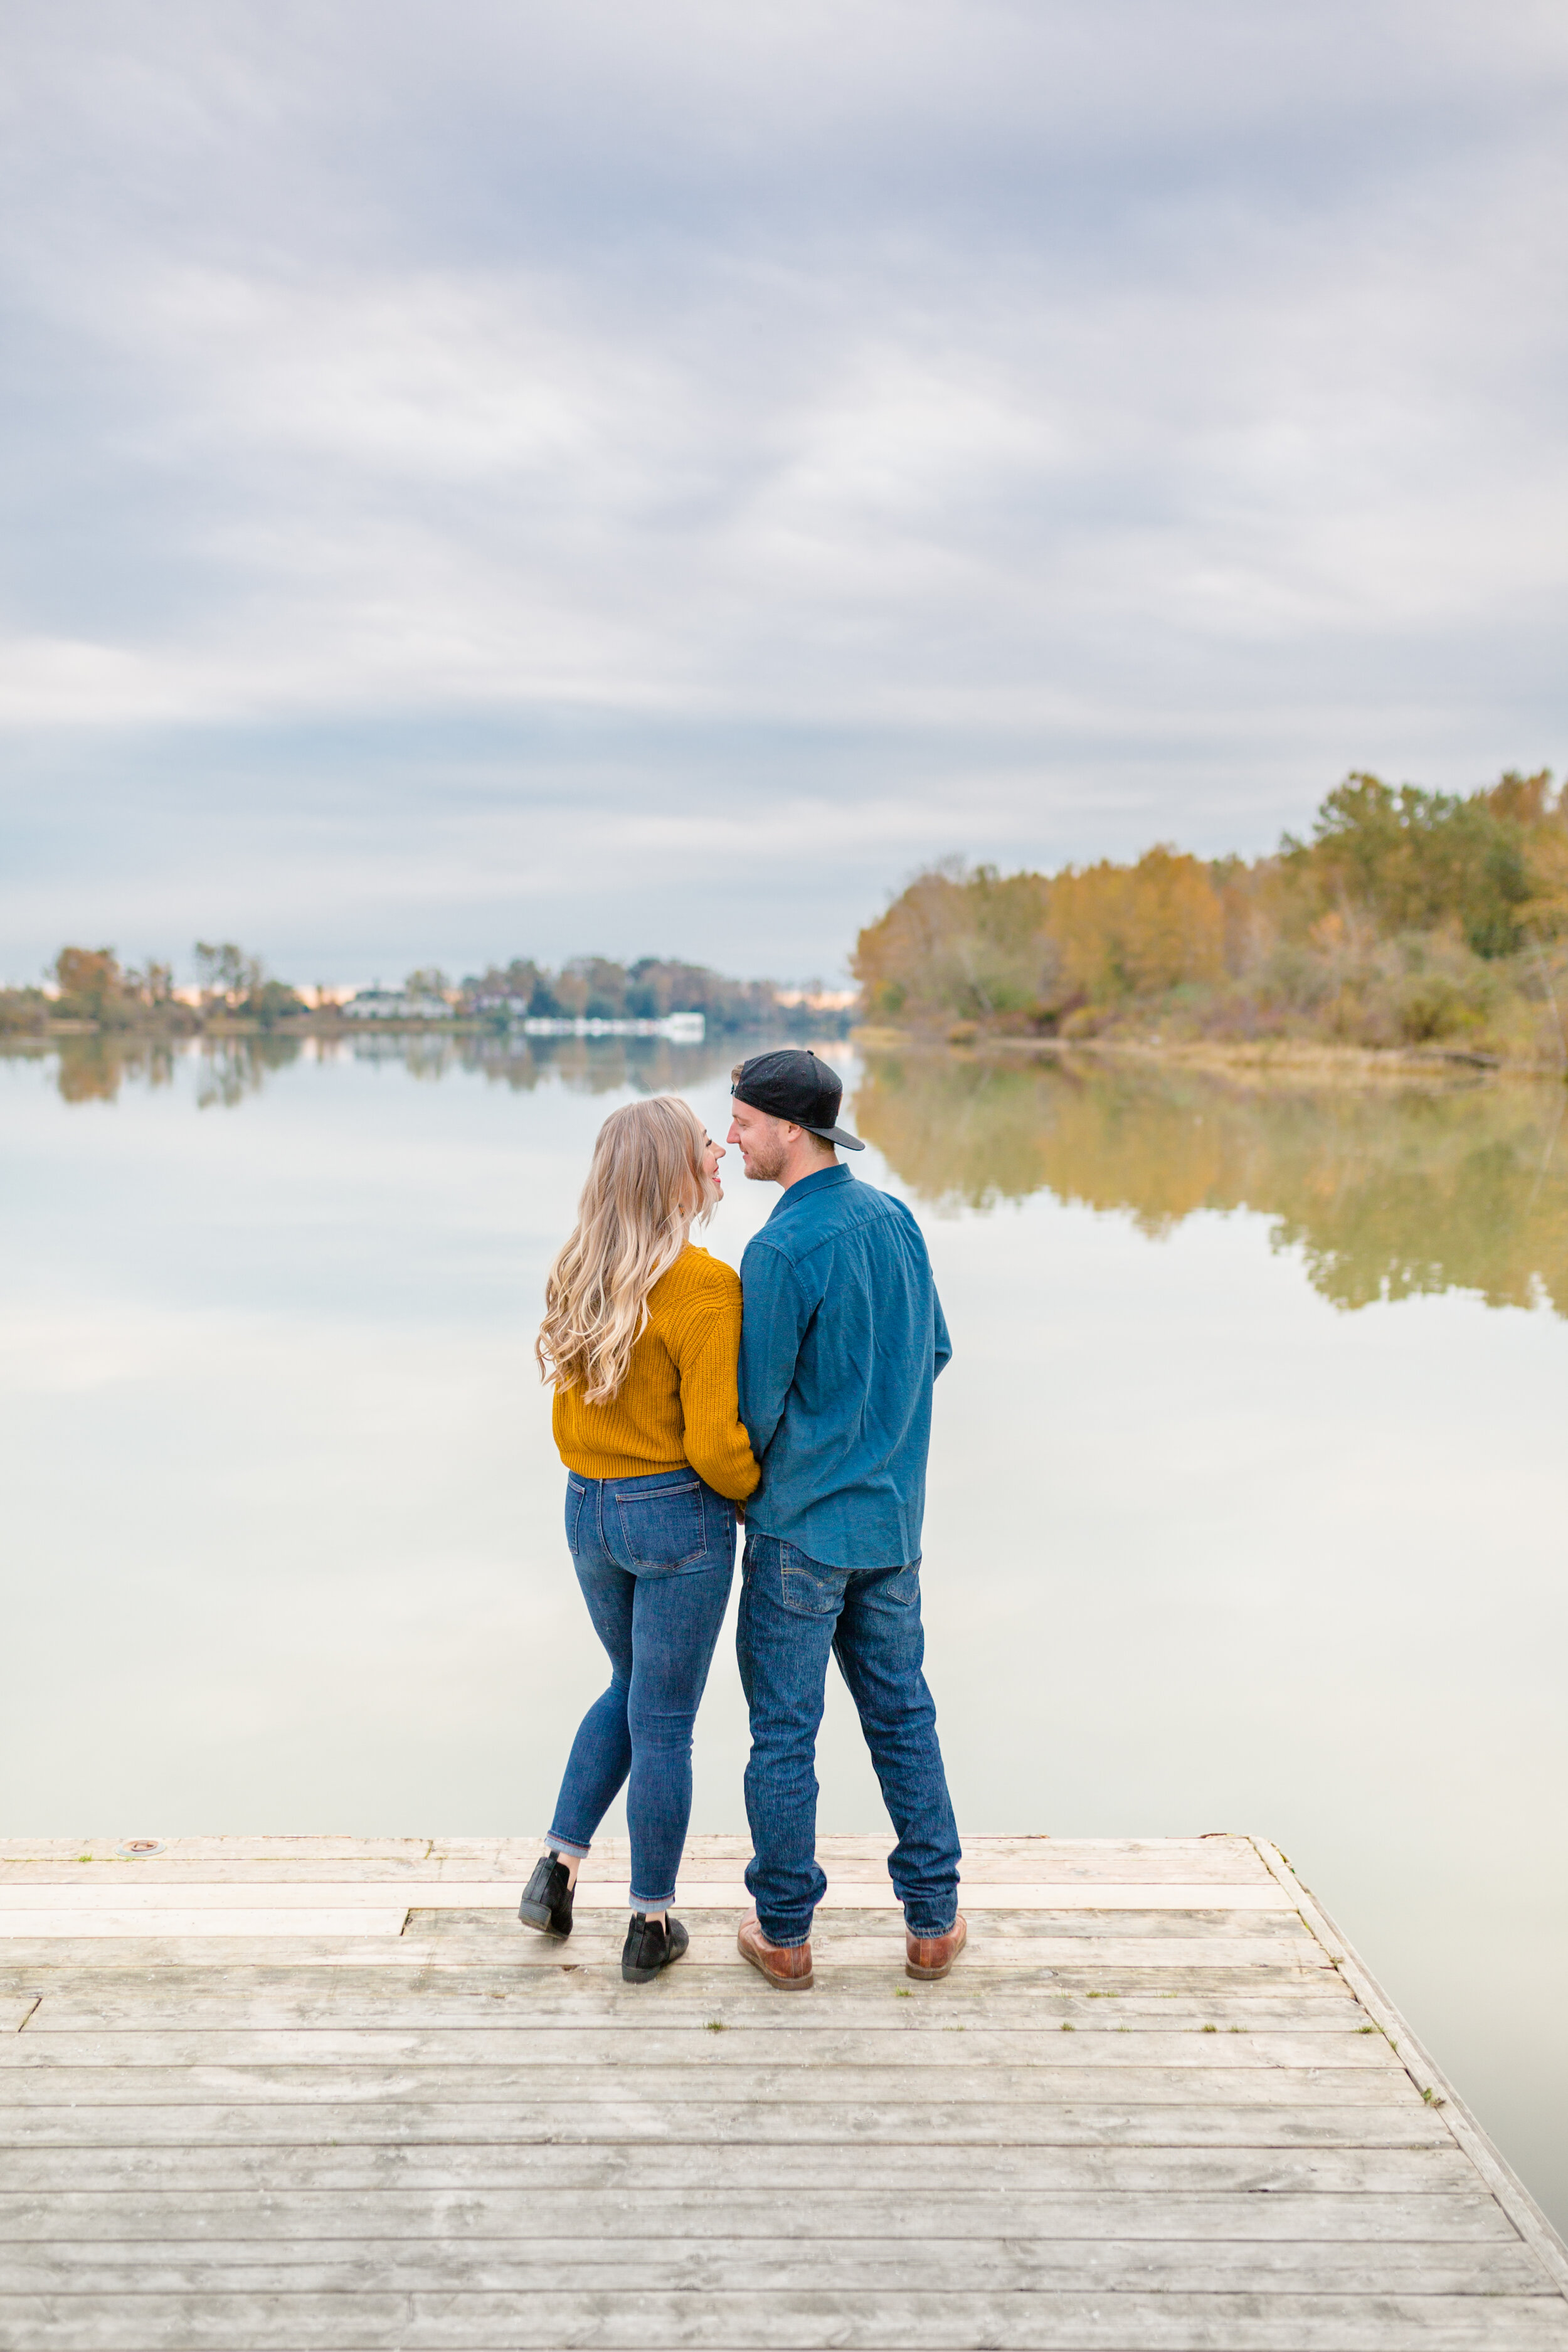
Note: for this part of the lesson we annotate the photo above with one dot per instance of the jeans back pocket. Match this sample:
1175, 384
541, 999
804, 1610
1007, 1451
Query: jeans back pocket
575, 1490
665, 1528
807, 1587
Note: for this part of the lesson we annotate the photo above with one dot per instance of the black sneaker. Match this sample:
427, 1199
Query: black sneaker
651, 1944
547, 1898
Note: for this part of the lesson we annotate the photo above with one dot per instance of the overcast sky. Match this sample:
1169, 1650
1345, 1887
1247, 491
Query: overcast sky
496, 477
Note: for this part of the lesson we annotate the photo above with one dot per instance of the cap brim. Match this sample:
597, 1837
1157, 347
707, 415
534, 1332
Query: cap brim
837, 1135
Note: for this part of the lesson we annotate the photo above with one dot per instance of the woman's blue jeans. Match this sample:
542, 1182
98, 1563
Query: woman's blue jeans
655, 1558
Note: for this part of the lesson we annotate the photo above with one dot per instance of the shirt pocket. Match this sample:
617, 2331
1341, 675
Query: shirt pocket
666, 1528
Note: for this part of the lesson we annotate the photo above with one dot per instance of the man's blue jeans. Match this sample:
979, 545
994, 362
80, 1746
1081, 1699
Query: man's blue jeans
655, 1558
793, 1612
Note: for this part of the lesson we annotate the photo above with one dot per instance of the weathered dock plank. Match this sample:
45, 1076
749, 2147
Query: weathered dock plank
812, 2320
488, 1999
1110, 1964
264, 2093
621, 2223
737, 2119
977, 2091
849, 2262
1435, 2168
702, 2043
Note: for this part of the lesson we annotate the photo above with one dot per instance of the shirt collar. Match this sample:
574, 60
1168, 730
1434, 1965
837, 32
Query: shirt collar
822, 1180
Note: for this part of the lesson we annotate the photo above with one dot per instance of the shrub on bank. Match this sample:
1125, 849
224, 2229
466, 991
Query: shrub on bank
23, 1012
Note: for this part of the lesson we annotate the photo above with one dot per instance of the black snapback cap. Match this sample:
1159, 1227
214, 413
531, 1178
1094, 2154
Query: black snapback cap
793, 1084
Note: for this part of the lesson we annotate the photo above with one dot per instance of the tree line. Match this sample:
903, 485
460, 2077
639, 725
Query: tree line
91, 986
595, 988
1406, 915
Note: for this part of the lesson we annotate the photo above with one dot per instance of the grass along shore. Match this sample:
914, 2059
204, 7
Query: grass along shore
1314, 1061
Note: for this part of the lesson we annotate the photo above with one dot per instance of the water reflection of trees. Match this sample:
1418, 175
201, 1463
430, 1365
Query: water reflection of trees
93, 1069
1386, 1193
592, 1065
598, 1065
229, 1070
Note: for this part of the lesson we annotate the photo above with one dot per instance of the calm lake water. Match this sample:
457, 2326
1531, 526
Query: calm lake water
1248, 1493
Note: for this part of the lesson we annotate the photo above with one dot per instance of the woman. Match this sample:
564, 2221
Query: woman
640, 1338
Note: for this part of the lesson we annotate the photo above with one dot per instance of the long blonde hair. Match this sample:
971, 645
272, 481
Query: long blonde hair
646, 1186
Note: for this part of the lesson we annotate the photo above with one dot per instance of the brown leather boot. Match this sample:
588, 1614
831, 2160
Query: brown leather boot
930, 1956
787, 1966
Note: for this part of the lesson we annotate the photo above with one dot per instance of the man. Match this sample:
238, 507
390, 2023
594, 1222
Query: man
841, 1336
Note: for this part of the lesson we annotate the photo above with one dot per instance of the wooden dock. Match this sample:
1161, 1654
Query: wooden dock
326, 2092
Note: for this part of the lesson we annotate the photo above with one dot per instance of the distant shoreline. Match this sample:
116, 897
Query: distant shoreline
337, 1026
293, 1024
328, 1025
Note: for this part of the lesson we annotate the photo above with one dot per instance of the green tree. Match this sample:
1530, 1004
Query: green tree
1412, 859
271, 1002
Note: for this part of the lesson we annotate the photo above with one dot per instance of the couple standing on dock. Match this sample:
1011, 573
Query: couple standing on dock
797, 1397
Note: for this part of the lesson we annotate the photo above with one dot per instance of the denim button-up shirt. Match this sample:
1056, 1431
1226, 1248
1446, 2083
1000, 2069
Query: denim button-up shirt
842, 1334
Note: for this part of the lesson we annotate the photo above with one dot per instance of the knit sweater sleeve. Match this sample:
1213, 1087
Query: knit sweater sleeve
705, 1344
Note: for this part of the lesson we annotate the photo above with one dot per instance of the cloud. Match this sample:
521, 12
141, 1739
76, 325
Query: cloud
545, 469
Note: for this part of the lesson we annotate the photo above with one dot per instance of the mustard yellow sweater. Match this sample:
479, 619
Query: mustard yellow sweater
677, 1402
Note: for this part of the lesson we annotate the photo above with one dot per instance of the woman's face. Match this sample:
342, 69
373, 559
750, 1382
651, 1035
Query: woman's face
711, 1155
